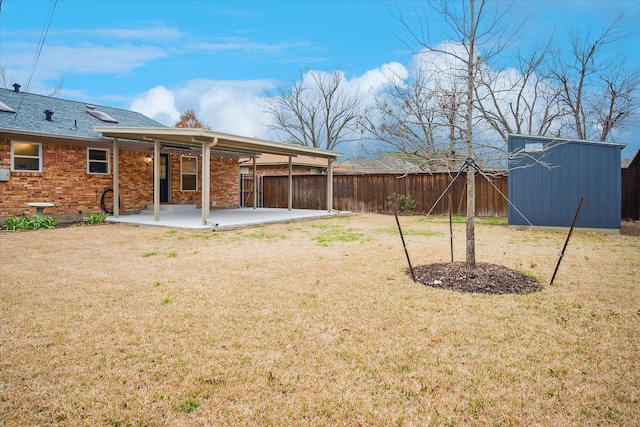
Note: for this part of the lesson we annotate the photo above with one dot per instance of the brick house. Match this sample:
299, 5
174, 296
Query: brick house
70, 153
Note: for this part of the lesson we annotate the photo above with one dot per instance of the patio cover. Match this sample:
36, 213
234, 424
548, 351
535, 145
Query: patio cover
206, 140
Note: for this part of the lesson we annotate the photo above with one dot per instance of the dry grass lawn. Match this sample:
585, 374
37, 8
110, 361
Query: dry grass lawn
313, 323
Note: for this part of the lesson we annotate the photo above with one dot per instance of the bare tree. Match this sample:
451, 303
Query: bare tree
7, 82
481, 34
317, 111
614, 109
403, 118
523, 100
420, 120
451, 109
598, 89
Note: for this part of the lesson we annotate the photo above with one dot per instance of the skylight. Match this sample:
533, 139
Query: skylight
4, 107
102, 116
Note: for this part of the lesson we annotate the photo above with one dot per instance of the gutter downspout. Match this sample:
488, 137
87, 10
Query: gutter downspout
255, 183
116, 179
290, 196
206, 179
329, 185
156, 180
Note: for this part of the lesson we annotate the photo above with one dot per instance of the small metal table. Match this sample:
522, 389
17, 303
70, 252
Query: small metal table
40, 207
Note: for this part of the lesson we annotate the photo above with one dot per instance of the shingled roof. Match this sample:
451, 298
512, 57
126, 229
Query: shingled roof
69, 119
41, 116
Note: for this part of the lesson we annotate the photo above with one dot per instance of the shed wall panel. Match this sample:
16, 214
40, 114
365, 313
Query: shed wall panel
547, 186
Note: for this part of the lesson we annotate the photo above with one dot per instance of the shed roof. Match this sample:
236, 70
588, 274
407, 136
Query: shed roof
566, 140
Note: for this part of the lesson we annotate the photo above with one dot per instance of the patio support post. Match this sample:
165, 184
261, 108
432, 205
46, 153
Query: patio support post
156, 180
255, 183
116, 178
206, 179
206, 198
290, 198
329, 185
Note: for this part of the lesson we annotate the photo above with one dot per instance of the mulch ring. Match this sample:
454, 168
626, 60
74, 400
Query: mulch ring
484, 279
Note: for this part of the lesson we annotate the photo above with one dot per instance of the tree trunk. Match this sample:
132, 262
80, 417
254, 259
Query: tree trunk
471, 213
471, 180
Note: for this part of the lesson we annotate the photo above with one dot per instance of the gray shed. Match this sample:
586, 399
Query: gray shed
549, 176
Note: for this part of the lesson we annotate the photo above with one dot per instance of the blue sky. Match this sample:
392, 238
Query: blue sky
217, 57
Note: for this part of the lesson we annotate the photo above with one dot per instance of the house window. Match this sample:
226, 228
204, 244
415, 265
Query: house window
26, 157
97, 161
189, 174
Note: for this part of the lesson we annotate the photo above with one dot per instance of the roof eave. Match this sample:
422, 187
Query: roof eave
571, 140
49, 136
62, 139
193, 137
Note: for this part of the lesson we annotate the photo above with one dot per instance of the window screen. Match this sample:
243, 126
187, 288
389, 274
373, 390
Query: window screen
97, 161
26, 157
189, 174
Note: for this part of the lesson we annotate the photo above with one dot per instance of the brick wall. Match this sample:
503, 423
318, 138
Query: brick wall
135, 180
65, 182
177, 195
225, 183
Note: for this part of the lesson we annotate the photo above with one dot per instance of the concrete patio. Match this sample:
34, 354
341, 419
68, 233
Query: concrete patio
188, 216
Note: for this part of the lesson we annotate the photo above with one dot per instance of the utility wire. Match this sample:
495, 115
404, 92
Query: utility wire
43, 37
36, 58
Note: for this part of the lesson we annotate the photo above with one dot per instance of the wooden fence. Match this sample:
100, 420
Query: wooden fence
368, 193
631, 189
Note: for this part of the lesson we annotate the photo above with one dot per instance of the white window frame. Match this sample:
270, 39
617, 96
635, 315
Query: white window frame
108, 161
39, 157
182, 173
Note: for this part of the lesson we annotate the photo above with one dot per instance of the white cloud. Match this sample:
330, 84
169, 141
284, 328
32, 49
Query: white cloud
159, 104
248, 45
99, 59
236, 106
437, 62
224, 106
372, 81
153, 33
57, 60
392, 72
